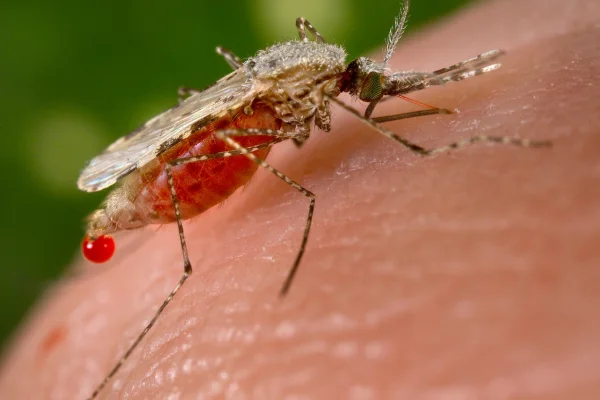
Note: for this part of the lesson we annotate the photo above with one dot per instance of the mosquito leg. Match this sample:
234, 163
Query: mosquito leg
187, 266
452, 146
430, 110
234, 61
371, 108
185, 92
238, 149
412, 114
302, 24
227, 136
187, 270
279, 137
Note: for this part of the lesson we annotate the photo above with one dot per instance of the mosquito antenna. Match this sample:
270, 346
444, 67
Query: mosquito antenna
396, 32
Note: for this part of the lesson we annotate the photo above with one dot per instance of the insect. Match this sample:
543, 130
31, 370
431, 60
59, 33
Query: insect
196, 154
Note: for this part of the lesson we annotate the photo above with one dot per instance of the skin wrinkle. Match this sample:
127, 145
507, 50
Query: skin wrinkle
473, 272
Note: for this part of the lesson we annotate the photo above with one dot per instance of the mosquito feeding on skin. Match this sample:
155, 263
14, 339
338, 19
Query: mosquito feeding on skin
196, 154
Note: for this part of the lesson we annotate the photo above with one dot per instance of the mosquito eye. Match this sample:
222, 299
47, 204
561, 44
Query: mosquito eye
371, 88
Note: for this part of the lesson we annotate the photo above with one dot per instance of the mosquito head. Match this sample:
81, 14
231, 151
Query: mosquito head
365, 77
367, 80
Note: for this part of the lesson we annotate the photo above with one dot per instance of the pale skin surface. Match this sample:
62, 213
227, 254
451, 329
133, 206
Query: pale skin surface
471, 275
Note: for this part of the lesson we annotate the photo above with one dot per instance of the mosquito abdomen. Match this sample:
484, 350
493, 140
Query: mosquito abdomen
144, 196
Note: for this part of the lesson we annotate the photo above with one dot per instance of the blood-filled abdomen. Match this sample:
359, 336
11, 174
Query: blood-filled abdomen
201, 185
144, 196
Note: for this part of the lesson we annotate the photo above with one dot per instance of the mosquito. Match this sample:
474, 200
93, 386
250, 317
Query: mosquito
196, 154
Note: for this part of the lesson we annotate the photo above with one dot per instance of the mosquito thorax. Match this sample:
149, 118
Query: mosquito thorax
281, 60
294, 76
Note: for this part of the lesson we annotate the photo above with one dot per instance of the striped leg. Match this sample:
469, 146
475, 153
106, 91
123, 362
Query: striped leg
412, 114
430, 110
227, 136
302, 24
452, 146
184, 92
232, 60
187, 266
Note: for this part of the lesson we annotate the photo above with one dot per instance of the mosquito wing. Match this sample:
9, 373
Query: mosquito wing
145, 143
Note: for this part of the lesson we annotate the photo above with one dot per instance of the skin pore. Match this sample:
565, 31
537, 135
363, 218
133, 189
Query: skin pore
472, 274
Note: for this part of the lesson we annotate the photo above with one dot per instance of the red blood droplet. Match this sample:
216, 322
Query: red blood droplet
98, 250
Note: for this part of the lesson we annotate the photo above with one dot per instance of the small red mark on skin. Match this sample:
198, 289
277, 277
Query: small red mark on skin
52, 339
98, 250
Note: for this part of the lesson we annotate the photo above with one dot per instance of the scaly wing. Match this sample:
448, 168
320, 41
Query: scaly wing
143, 144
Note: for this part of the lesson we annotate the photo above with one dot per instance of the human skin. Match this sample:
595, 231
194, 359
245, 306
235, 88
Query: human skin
468, 275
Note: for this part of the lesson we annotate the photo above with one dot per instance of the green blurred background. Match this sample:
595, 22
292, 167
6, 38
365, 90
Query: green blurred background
76, 75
